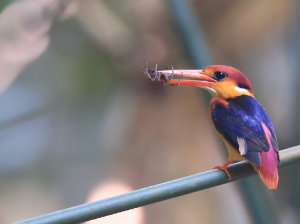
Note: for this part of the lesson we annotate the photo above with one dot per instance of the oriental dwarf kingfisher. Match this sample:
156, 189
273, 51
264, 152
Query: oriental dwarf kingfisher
241, 122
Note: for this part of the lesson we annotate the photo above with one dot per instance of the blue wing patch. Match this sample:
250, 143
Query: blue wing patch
242, 118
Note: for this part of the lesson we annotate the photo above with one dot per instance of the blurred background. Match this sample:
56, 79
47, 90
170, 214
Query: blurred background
79, 121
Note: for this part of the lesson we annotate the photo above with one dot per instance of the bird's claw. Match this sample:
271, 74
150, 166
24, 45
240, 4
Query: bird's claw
223, 169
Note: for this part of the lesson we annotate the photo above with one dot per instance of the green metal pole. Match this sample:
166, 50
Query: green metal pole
156, 193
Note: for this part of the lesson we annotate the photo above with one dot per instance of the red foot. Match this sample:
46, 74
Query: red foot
224, 167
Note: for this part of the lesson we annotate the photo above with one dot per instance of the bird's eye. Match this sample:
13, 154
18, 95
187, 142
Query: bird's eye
219, 75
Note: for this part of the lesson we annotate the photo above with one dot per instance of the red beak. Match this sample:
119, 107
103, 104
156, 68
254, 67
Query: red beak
167, 77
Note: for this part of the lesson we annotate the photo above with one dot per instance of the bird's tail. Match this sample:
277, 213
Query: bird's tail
268, 169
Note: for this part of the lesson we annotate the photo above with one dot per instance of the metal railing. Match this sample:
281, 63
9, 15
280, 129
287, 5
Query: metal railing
156, 193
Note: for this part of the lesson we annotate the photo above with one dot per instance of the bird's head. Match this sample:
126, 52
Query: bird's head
219, 80
229, 82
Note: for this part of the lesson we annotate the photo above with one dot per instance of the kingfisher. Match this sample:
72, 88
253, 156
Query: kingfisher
241, 122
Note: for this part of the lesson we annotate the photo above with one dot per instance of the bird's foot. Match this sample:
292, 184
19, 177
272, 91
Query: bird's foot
224, 168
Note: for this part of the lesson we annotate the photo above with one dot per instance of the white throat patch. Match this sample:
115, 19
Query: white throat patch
210, 90
240, 90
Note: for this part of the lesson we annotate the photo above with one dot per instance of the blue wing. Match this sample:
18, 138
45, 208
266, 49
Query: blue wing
243, 118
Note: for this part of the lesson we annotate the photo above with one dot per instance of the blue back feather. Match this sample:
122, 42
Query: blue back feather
242, 118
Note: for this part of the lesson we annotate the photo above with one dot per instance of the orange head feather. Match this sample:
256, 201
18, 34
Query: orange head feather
230, 81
